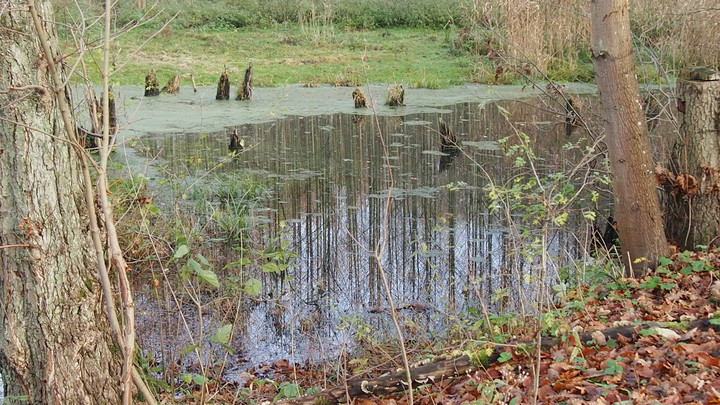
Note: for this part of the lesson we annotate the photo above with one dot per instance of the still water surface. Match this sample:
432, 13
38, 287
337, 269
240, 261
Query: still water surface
344, 185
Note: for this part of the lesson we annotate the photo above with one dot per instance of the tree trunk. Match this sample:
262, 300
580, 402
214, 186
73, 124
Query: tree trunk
55, 344
637, 209
692, 216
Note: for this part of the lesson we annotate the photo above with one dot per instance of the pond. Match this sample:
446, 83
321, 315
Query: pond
353, 194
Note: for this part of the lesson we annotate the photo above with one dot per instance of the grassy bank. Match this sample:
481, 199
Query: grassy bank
286, 54
420, 43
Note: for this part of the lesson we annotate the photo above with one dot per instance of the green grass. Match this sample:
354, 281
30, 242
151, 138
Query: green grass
420, 57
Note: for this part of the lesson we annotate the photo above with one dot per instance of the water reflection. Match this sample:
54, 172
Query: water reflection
347, 191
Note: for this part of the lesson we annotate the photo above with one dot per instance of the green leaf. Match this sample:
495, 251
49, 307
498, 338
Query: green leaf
186, 377
270, 267
194, 265
715, 321
514, 401
223, 334
668, 286
253, 287
664, 261
504, 357
288, 390
190, 349
202, 259
208, 276
200, 380
181, 251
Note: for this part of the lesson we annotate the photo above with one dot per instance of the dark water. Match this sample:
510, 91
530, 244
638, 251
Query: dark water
346, 190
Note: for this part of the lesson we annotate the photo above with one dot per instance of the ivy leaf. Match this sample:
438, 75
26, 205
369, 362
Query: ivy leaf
504, 357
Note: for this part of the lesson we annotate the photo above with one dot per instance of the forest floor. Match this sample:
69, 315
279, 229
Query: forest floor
664, 349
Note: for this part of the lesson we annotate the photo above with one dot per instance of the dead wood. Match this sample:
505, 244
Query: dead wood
192, 80
151, 85
245, 89
448, 369
236, 144
90, 139
396, 96
223, 87
172, 86
359, 98
448, 139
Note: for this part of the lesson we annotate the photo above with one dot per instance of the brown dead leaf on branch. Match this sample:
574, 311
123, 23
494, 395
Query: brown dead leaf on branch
683, 183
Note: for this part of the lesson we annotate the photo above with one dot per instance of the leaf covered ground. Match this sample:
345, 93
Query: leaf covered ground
663, 349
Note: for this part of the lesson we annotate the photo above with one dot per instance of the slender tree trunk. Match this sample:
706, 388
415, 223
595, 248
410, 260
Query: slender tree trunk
55, 343
692, 216
637, 209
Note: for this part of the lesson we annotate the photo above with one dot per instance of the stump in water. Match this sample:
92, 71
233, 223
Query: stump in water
572, 115
151, 85
692, 212
449, 144
172, 86
236, 144
192, 80
92, 138
245, 89
396, 96
447, 135
359, 98
223, 88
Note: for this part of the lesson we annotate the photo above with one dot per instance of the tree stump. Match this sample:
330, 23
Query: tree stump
172, 86
245, 89
692, 215
223, 87
396, 96
449, 144
359, 98
236, 144
151, 85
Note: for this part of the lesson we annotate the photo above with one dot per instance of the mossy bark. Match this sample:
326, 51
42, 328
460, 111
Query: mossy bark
152, 88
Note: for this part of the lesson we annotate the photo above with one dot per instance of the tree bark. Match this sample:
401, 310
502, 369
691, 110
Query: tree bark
55, 344
692, 215
637, 209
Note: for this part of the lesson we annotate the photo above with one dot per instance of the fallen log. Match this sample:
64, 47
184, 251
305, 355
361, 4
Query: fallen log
460, 366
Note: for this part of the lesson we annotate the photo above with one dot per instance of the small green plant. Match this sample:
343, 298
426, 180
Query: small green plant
612, 367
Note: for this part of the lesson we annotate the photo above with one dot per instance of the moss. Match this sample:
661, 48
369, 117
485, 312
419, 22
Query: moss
480, 357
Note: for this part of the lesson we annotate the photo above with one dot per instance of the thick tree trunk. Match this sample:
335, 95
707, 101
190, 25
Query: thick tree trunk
55, 344
692, 216
637, 209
